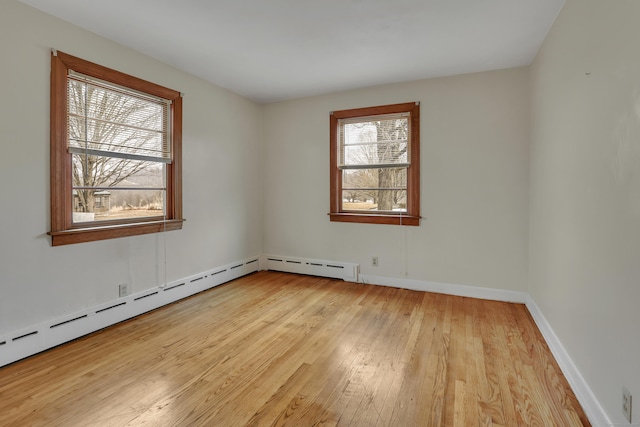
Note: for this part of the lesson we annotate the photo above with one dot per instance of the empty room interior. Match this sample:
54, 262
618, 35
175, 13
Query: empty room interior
265, 268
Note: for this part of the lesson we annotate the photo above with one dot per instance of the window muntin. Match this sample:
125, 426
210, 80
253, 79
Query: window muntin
375, 165
115, 153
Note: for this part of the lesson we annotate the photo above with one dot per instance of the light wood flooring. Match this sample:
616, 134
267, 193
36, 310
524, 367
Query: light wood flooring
275, 349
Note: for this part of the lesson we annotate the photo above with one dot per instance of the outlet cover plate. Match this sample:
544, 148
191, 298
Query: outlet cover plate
123, 290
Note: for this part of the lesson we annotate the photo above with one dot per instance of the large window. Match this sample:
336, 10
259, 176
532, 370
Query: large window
375, 165
115, 153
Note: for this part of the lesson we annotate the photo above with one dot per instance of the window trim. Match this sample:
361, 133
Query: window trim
412, 216
63, 231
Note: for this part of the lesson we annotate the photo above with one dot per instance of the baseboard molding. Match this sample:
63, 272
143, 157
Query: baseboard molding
594, 411
26, 342
313, 267
447, 288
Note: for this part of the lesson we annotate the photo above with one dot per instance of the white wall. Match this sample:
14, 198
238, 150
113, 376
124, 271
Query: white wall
222, 169
585, 192
474, 183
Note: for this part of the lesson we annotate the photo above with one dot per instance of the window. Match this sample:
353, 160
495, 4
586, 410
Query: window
375, 165
115, 154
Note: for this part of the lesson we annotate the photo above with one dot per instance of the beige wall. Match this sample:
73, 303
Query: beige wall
222, 167
585, 192
474, 183
256, 181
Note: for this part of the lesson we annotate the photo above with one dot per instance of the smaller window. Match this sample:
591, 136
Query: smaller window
375, 165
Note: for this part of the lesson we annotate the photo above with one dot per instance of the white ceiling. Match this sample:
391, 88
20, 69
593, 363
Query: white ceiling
271, 50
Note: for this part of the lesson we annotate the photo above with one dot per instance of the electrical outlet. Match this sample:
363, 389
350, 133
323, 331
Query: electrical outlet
626, 403
123, 290
374, 261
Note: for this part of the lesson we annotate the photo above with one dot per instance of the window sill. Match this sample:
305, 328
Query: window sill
375, 218
91, 234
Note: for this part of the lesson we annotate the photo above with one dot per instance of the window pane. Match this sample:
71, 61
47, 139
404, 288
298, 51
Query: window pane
375, 142
118, 188
374, 189
389, 178
101, 172
395, 200
116, 204
99, 135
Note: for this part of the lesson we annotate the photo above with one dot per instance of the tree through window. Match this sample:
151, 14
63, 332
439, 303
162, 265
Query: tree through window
375, 165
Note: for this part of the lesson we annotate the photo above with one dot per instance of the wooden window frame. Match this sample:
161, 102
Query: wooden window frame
63, 230
412, 215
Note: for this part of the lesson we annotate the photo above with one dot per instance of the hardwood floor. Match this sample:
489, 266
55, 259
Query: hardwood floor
275, 349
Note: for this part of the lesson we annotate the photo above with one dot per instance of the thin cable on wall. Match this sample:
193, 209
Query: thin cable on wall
406, 247
164, 245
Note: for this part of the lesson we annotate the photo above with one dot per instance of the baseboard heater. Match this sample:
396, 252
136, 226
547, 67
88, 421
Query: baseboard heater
29, 341
312, 267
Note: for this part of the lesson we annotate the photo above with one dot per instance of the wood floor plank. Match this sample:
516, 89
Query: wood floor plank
277, 349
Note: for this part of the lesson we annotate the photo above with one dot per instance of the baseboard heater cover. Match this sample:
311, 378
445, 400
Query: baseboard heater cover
32, 340
312, 267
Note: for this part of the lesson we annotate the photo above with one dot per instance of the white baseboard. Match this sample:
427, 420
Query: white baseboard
26, 342
313, 267
447, 288
594, 411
